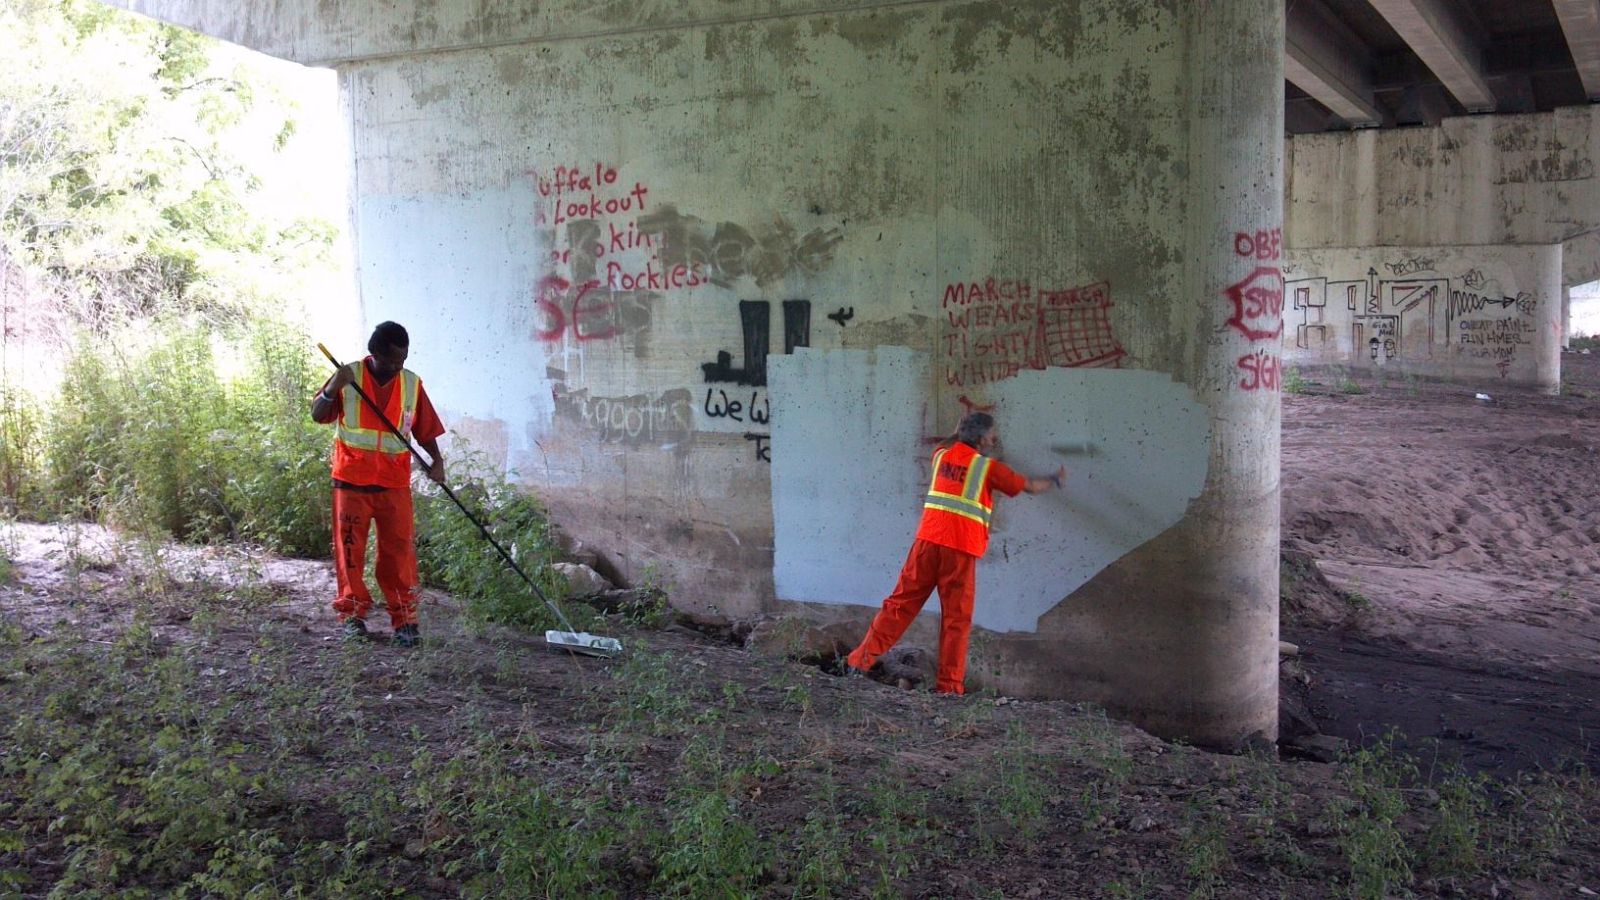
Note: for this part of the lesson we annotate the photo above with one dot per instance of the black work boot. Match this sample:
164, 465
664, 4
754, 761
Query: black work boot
355, 630
407, 636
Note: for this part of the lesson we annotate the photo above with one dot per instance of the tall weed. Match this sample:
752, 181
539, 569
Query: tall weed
453, 554
147, 431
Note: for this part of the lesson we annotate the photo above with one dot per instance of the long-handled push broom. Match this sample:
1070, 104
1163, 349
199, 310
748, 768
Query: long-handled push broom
570, 640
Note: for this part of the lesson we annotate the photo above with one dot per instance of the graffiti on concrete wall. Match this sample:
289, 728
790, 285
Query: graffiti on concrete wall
1257, 308
663, 420
602, 282
616, 252
589, 312
1420, 317
735, 395
995, 328
722, 254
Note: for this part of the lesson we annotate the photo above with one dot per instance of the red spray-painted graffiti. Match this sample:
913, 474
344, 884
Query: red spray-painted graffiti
1077, 327
581, 194
1258, 308
1263, 371
1264, 244
589, 312
1258, 304
998, 327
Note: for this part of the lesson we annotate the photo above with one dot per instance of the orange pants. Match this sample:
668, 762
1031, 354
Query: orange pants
353, 515
928, 566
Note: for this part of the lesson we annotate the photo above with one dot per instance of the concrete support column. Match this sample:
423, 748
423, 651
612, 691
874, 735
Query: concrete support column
1218, 682
1566, 316
1181, 635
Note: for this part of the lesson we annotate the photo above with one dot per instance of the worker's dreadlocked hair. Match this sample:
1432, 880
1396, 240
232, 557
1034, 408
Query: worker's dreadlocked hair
974, 425
386, 335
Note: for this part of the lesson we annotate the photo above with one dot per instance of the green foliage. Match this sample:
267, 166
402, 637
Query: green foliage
453, 554
147, 432
1008, 794
1371, 832
824, 847
713, 850
898, 829
122, 191
1454, 843
21, 449
1205, 851
1293, 381
277, 487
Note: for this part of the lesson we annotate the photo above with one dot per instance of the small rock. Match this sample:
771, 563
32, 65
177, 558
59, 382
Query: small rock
1322, 748
1585, 891
582, 581
414, 848
1141, 823
1318, 828
1287, 649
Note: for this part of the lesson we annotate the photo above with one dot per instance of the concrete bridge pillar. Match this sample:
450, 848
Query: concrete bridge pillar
1188, 622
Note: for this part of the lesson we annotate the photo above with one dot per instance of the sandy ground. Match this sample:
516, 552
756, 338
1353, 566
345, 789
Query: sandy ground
1462, 534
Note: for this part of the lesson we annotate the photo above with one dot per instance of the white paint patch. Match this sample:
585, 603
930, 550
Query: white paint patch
1586, 309
456, 271
849, 469
847, 482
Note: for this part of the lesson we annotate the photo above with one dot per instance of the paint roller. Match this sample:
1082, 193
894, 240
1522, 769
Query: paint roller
1074, 448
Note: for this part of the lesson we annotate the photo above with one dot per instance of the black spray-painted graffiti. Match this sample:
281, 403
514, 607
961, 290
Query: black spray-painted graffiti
1411, 317
1410, 266
843, 315
754, 318
736, 406
728, 252
756, 409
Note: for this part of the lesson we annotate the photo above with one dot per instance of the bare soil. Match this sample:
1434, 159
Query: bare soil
1460, 537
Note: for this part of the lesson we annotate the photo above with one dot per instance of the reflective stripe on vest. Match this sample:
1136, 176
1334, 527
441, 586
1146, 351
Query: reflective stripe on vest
969, 503
348, 429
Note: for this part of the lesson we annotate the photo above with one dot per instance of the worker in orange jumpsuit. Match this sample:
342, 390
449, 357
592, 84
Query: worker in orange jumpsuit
954, 533
372, 479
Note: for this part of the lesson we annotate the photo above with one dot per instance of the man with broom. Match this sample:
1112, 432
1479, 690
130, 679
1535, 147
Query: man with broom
372, 479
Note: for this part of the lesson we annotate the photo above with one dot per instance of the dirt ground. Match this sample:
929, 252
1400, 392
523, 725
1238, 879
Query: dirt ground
1462, 534
182, 720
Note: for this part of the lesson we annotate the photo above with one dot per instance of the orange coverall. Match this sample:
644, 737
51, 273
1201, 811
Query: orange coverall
954, 532
374, 485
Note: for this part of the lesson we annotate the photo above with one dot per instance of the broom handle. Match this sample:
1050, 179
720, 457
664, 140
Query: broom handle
427, 463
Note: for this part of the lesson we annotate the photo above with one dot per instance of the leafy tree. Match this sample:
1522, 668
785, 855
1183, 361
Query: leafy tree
118, 188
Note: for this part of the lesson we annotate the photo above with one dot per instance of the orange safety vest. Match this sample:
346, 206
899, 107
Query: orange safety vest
959, 505
365, 451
